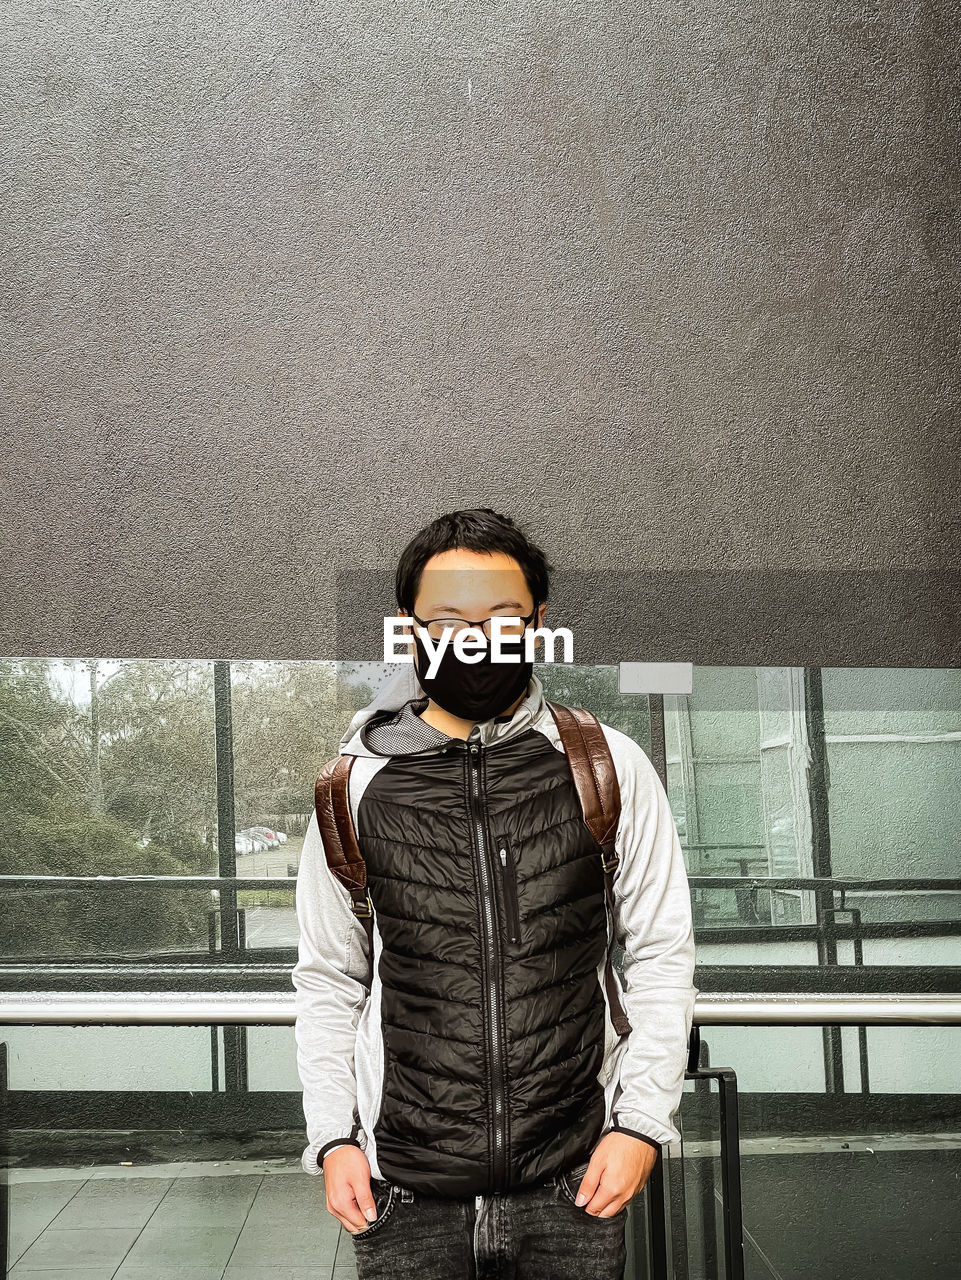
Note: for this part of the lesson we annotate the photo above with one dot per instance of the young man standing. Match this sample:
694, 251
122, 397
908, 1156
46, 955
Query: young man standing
469, 1099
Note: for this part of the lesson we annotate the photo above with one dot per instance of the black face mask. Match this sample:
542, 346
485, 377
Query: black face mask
474, 690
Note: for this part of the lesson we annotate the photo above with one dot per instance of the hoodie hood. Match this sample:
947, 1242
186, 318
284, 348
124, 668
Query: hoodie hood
390, 725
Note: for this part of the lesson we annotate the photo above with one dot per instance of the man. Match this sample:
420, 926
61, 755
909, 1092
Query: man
468, 1098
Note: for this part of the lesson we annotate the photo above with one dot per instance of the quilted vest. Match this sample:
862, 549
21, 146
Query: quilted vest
489, 894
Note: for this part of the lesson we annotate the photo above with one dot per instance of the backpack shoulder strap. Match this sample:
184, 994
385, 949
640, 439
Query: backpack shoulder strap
344, 858
592, 765
594, 774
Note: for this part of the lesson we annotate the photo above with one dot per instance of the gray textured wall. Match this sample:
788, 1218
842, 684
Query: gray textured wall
674, 285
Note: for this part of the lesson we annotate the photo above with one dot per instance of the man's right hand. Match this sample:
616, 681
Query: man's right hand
347, 1183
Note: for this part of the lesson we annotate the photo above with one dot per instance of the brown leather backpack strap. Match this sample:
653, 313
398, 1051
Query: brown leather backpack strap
346, 862
595, 778
594, 774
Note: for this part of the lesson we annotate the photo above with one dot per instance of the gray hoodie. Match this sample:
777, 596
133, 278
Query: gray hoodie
339, 1044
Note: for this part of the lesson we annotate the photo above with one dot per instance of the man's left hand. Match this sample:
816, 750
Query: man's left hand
620, 1166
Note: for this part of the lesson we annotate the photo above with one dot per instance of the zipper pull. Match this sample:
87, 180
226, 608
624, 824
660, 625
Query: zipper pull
504, 858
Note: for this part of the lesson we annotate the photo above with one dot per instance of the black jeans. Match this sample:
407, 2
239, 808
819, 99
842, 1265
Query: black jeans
533, 1233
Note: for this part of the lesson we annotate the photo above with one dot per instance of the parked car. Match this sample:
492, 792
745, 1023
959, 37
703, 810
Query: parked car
249, 841
273, 838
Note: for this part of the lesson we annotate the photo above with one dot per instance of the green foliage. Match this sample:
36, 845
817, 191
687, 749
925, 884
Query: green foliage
596, 689
93, 920
109, 769
265, 898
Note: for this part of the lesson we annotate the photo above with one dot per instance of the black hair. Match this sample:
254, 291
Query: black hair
479, 529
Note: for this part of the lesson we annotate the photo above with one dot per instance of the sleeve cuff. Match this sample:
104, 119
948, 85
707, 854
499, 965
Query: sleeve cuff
619, 1128
332, 1146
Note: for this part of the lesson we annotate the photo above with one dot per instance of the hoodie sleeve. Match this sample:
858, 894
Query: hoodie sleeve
653, 922
332, 983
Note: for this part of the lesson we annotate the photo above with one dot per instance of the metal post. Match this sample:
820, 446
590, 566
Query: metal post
699, 1060
657, 1227
731, 1207
226, 829
858, 942
235, 1037
818, 781
4, 1152
655, 702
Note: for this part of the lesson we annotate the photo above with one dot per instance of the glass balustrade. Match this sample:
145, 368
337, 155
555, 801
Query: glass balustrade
151, 821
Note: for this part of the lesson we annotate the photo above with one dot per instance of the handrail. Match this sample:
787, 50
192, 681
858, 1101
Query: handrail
853, 884
146, 881
715, 1008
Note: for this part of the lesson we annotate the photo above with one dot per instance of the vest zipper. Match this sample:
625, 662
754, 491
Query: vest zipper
492, 989
510, 892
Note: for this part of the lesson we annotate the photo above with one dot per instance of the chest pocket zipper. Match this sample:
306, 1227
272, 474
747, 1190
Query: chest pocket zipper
509, 882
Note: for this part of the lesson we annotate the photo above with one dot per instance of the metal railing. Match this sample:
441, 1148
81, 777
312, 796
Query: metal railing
152, 1008
270, 1008
238, 1009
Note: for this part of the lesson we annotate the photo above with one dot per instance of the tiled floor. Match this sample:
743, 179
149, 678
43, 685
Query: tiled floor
879, 1210
228, 1220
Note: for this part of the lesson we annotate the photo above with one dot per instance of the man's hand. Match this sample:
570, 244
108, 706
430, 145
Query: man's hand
347, 1183
619, 1168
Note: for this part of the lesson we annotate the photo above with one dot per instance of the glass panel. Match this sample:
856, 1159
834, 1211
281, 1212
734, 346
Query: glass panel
91, 1058
894, 754
106, 769
109, 768
833, 1183
272, 1059
753, 800
597, 689
287, 721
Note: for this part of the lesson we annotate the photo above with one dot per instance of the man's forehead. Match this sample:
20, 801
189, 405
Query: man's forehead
496, 586
453, 605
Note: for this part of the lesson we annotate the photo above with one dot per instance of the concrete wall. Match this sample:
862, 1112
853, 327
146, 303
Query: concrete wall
675, 285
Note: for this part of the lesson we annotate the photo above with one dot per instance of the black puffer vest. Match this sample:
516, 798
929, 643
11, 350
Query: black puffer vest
489, 897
